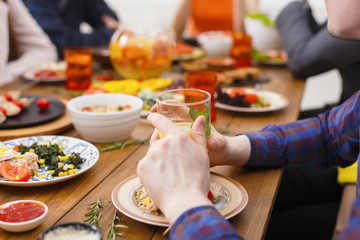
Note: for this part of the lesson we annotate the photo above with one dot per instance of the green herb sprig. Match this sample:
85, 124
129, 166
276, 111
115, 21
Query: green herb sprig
113, 228
94, 213
121, 145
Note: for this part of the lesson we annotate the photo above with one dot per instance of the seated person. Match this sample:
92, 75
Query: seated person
61, 20
183, 163
23, 43
196, 16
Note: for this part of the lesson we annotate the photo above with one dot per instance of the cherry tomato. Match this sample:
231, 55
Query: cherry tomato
14, 173
18, 103
3, 110
251, 98
43, 103
8, 97
210, 196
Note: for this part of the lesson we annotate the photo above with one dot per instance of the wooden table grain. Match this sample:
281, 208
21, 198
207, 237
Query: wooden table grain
67, 201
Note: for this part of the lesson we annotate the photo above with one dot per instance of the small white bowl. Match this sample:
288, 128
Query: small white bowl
105, 127
216, 43
23, 226
71, 230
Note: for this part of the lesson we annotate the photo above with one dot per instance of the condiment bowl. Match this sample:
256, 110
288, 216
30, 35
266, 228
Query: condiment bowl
77, 230
23, 226
105, 127
216, 43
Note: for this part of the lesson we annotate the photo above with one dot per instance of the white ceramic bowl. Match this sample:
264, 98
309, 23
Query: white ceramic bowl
105, 127
216, 43
23, 226
263, 37
77, 230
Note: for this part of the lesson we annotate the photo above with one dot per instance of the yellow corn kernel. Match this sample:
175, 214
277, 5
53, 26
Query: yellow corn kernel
35, 173
32, 150
74, 170
41, 176
41, 161
17, 177
148, 200
61, 159
61, 147
65, 174
42, 165
18, 156
70, 172
1, 153
51, 172
61, 174
68, 155
26, 153
71, 166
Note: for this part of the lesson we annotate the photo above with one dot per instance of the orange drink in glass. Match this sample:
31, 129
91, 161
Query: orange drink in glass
204, 80
79, 68
183, 106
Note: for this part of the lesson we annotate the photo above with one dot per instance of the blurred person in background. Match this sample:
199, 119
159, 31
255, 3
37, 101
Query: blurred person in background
316, 201
196, 16
61, 20
23, 42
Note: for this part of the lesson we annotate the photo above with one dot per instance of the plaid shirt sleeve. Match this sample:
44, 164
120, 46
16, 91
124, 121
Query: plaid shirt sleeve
202, 222
330, 139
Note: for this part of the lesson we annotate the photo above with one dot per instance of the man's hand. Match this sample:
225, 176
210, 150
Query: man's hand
175, 171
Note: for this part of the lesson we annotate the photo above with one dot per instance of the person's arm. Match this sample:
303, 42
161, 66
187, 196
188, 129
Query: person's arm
181, 164
4, 39
330, 139
311, 53
30, 45
180, 18
49, 17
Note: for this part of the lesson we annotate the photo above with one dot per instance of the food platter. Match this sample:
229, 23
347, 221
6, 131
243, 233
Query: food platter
272, 58
277, 102
86, 150
32, 115
195, 54
230, 205
50, 72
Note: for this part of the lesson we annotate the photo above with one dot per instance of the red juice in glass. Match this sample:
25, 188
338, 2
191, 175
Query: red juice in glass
79, 68
203, 80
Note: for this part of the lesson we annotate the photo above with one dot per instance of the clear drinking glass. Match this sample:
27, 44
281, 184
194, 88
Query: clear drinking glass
183, 106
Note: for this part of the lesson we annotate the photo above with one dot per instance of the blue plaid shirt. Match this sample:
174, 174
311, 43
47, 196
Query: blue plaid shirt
331, 139
61, 20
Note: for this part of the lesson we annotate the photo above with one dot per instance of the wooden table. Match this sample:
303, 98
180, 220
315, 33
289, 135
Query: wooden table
67, 201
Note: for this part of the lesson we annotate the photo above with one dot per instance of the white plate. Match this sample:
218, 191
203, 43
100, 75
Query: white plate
87, 151
60, 66
234, 200
277, 102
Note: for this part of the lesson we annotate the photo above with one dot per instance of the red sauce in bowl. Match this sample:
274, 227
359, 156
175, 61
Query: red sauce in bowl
21, 212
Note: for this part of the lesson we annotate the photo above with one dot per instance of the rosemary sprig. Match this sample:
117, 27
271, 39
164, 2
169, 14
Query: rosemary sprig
94, 213
113, 228
223, 130
65, 92
121, 145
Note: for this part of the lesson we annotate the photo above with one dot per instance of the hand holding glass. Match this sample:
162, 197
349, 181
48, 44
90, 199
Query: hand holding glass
183, 106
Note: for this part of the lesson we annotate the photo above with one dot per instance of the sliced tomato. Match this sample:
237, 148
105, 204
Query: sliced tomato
8, 97
18, 103
14, 173
3, 110
237, 91
251, 98
210, 196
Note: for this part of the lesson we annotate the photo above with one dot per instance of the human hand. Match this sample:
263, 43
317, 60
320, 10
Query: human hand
109, 22
180, 163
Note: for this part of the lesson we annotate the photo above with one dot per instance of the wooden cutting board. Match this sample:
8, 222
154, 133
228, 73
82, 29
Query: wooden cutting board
54, 127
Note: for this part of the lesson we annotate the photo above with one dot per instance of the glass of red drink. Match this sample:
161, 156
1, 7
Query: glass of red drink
204, 80
79, 68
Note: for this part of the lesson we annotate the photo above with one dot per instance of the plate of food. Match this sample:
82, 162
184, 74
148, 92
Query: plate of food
47, 72
240, 99
43, 160
19, 111
184, 51
270, 57
130, 198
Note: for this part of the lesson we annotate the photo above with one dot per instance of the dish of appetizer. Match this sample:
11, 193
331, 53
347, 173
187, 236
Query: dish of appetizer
184, 51
130, 198
17, 111
47, 72
249, 100
43, 160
